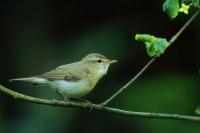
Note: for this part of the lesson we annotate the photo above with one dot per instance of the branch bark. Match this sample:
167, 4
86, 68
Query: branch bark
99, 108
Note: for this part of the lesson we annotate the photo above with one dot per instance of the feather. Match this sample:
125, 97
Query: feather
70, 72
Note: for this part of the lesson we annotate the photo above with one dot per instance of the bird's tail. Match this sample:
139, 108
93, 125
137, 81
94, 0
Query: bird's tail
34, 80
20, 79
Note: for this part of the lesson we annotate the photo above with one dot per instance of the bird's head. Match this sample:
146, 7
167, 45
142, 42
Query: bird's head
98, 62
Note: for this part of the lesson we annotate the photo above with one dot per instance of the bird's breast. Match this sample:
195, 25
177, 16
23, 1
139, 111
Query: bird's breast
72, 89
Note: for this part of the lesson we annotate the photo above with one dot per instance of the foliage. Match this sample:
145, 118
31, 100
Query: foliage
154, 46
42, 42
172, 7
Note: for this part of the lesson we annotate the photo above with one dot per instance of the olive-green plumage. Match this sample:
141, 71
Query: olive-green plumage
76, 79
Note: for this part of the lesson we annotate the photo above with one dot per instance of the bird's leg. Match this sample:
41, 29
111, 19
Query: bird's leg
60, 94
65, 98
67, 101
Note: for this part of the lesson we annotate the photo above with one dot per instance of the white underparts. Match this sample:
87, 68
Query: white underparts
71, 89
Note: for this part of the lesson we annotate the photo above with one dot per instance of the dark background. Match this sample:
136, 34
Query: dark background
38, 35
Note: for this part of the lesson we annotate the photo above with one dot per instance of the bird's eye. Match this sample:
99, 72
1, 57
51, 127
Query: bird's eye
99, 61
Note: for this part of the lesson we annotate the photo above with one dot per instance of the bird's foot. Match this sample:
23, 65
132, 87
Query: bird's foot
84, 102
67, 101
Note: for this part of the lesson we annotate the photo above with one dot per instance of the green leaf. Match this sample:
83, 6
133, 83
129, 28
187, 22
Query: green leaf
171, 7
151, 50
197, 110
154, 46
195, 3
144, 38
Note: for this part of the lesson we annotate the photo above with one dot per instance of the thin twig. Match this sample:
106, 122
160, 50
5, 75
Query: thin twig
127, 84
172, 40
175, 37
99, 107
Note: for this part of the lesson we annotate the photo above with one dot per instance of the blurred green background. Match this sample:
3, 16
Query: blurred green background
38, 35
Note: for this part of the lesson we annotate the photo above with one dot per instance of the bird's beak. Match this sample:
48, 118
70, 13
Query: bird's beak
111, 61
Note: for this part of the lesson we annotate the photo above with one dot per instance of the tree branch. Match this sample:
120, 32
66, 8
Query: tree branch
98, 107
172, 40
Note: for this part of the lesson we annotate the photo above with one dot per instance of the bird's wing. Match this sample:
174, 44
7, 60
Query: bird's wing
66, 72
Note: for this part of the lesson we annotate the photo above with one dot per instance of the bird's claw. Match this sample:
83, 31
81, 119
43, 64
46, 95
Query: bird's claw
67, 102
101, 105
87, 104
84, 102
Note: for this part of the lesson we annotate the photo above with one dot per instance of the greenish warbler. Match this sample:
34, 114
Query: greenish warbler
76, 79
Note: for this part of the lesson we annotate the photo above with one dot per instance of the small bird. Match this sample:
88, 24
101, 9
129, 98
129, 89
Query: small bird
73, 80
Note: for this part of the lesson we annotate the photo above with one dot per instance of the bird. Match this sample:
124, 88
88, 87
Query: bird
73, 80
